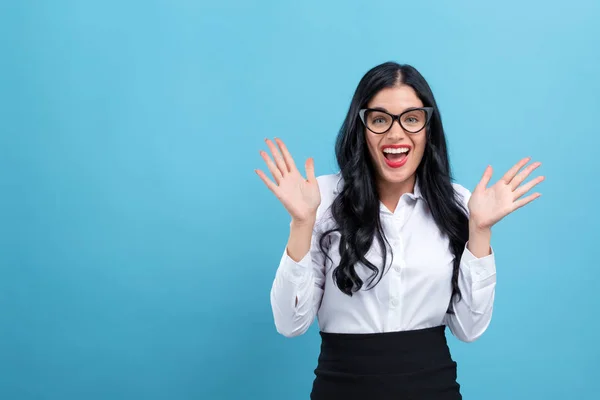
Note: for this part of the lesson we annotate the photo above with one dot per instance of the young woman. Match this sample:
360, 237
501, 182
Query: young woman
388, 252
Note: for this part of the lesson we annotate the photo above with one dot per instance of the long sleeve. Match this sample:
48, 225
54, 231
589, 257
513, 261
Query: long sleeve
302, 280
477, 284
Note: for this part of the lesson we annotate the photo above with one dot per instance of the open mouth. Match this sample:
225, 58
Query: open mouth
396, 156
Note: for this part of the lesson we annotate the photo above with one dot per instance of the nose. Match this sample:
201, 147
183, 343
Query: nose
396, 132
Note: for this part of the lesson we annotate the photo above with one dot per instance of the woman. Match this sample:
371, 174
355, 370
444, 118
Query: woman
388, 252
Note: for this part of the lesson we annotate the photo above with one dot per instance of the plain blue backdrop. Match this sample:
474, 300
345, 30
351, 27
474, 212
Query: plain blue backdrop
138, 247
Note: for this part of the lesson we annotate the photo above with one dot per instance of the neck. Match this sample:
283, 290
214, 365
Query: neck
390, 193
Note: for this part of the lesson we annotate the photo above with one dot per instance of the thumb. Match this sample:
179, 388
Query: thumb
310, 170
485, 179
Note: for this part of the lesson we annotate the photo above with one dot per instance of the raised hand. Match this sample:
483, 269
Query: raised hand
487, 206
299, 196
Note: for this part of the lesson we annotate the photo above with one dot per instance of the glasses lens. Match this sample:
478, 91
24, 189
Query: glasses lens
413, 121
378, 121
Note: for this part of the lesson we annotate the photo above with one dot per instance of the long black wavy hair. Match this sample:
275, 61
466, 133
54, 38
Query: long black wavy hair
356, 208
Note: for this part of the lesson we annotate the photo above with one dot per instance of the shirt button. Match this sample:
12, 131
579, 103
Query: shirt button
297, 272
394, 302
397, 268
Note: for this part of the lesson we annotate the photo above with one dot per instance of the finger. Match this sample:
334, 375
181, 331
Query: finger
523, 175
520, 203
278, 158
270, 184
510, 174
310, 170
528, 186
287, 157
272, 167
485, 179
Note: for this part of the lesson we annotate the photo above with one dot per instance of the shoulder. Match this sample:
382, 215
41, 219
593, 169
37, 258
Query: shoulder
330, 183
462, 193
461, 190
329, 186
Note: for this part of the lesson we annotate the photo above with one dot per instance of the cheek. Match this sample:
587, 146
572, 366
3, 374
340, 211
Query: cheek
373, 146
420, 148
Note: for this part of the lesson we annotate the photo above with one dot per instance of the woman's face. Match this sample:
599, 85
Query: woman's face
396, 154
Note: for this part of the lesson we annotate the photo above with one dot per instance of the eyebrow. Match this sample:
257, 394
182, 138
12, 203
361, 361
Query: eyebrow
379, 109
403, 111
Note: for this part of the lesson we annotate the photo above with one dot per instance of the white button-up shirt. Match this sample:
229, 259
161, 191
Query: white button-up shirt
414, 292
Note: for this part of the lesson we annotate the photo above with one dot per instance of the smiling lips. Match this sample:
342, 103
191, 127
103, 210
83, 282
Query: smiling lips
396, 155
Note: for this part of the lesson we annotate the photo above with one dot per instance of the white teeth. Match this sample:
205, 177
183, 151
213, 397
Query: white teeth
396, 151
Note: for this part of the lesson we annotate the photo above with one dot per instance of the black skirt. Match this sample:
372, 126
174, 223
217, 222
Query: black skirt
414, 365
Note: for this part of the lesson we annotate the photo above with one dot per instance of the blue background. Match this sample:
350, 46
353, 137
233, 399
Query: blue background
138, 247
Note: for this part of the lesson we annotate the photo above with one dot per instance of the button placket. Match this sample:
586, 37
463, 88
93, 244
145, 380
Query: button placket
396, 281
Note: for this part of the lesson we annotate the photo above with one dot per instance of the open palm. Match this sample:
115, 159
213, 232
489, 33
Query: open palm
299, 196
487, 206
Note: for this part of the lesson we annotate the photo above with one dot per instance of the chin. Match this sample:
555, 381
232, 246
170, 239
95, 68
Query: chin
395, 176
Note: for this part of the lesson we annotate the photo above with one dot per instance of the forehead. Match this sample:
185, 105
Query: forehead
396, 99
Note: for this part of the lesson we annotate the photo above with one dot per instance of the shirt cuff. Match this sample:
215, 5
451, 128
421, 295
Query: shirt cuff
295, 272
481, 268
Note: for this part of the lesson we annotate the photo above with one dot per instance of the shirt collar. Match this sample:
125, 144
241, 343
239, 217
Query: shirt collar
417, 192
415, 195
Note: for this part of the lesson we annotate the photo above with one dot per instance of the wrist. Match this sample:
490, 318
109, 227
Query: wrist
479, 240
477, 227
304, 222
299, 242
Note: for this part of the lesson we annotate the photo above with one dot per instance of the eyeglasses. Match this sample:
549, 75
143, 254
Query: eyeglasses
412, 120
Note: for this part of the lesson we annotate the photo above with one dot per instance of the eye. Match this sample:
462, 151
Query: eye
414, 118
379, 119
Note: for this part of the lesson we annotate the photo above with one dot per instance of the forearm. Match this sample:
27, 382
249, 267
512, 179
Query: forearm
477, 283
294, 299
479, 240
299, 240
298, 284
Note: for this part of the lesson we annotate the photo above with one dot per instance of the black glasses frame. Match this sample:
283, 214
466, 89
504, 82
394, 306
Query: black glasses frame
428, 114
